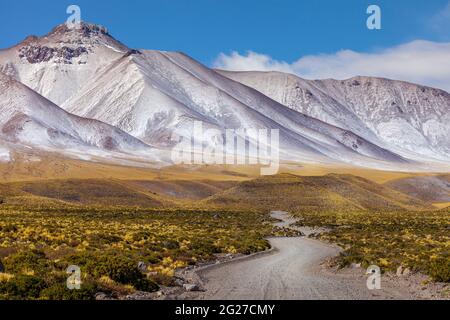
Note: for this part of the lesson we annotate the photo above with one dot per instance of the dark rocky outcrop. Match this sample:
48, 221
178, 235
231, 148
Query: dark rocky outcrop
37, 54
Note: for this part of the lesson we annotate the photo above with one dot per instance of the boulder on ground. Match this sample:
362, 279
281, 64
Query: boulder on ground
402, 271
191, 287
142, 266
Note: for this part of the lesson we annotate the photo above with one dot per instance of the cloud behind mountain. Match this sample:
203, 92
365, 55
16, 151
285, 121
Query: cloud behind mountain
419, 61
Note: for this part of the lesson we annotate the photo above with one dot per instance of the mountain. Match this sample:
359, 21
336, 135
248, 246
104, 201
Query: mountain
182, 189
58, 64
174, 90
152, 95
81, 191
331, 192
406, 118
155, 96
28, 119
434, 188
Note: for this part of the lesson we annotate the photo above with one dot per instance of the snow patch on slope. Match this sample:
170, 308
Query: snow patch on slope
5, 155
29, 118
405, 118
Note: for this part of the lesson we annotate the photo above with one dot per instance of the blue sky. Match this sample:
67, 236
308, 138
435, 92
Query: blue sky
280, 31
283, 29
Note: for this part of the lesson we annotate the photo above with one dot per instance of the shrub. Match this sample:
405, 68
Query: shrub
204, 247
170, 244
60, 292
118, 268
109, 242
8, 228
146, 285
440, 269
22, 287
27, 261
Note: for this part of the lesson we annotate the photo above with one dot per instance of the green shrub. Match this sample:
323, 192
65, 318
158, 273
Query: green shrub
119, 268
61, 292
204, 247
440, 269
146, 285
22, 287
170, 244
110, 241
28, 261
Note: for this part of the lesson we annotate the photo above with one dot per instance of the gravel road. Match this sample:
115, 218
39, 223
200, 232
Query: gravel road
291, 270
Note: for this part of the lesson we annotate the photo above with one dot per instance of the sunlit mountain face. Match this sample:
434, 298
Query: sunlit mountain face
146, 97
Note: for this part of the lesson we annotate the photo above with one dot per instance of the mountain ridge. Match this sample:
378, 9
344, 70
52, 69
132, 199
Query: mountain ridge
402, 122
32, 120
153, 95
293, 193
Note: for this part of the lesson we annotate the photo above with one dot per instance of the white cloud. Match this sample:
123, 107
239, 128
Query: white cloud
419, 61
251, 62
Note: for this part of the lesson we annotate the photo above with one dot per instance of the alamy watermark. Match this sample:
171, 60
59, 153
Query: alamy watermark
374, 280
74, 279
374, 20
74, 20
233, 146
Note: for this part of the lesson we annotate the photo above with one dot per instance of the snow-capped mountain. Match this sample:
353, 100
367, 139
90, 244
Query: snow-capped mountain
166, 92
58, 64
151, 95
406, 118
26, 118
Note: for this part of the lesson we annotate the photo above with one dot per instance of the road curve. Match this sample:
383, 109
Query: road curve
291, 270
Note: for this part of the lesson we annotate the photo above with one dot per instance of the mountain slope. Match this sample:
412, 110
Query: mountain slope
182, 189
405, 118
89, 192
331, 192
164, 93
30, 119
427, 188
58, 64
157, 97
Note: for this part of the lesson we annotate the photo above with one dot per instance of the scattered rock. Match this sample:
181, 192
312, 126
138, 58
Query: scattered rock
140, 295
402, 271
355, 265
101, 296
38, 54
131, 52
142, 266
178, 282
191, 287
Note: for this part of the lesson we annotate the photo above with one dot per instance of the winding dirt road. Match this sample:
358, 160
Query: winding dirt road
291, 270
